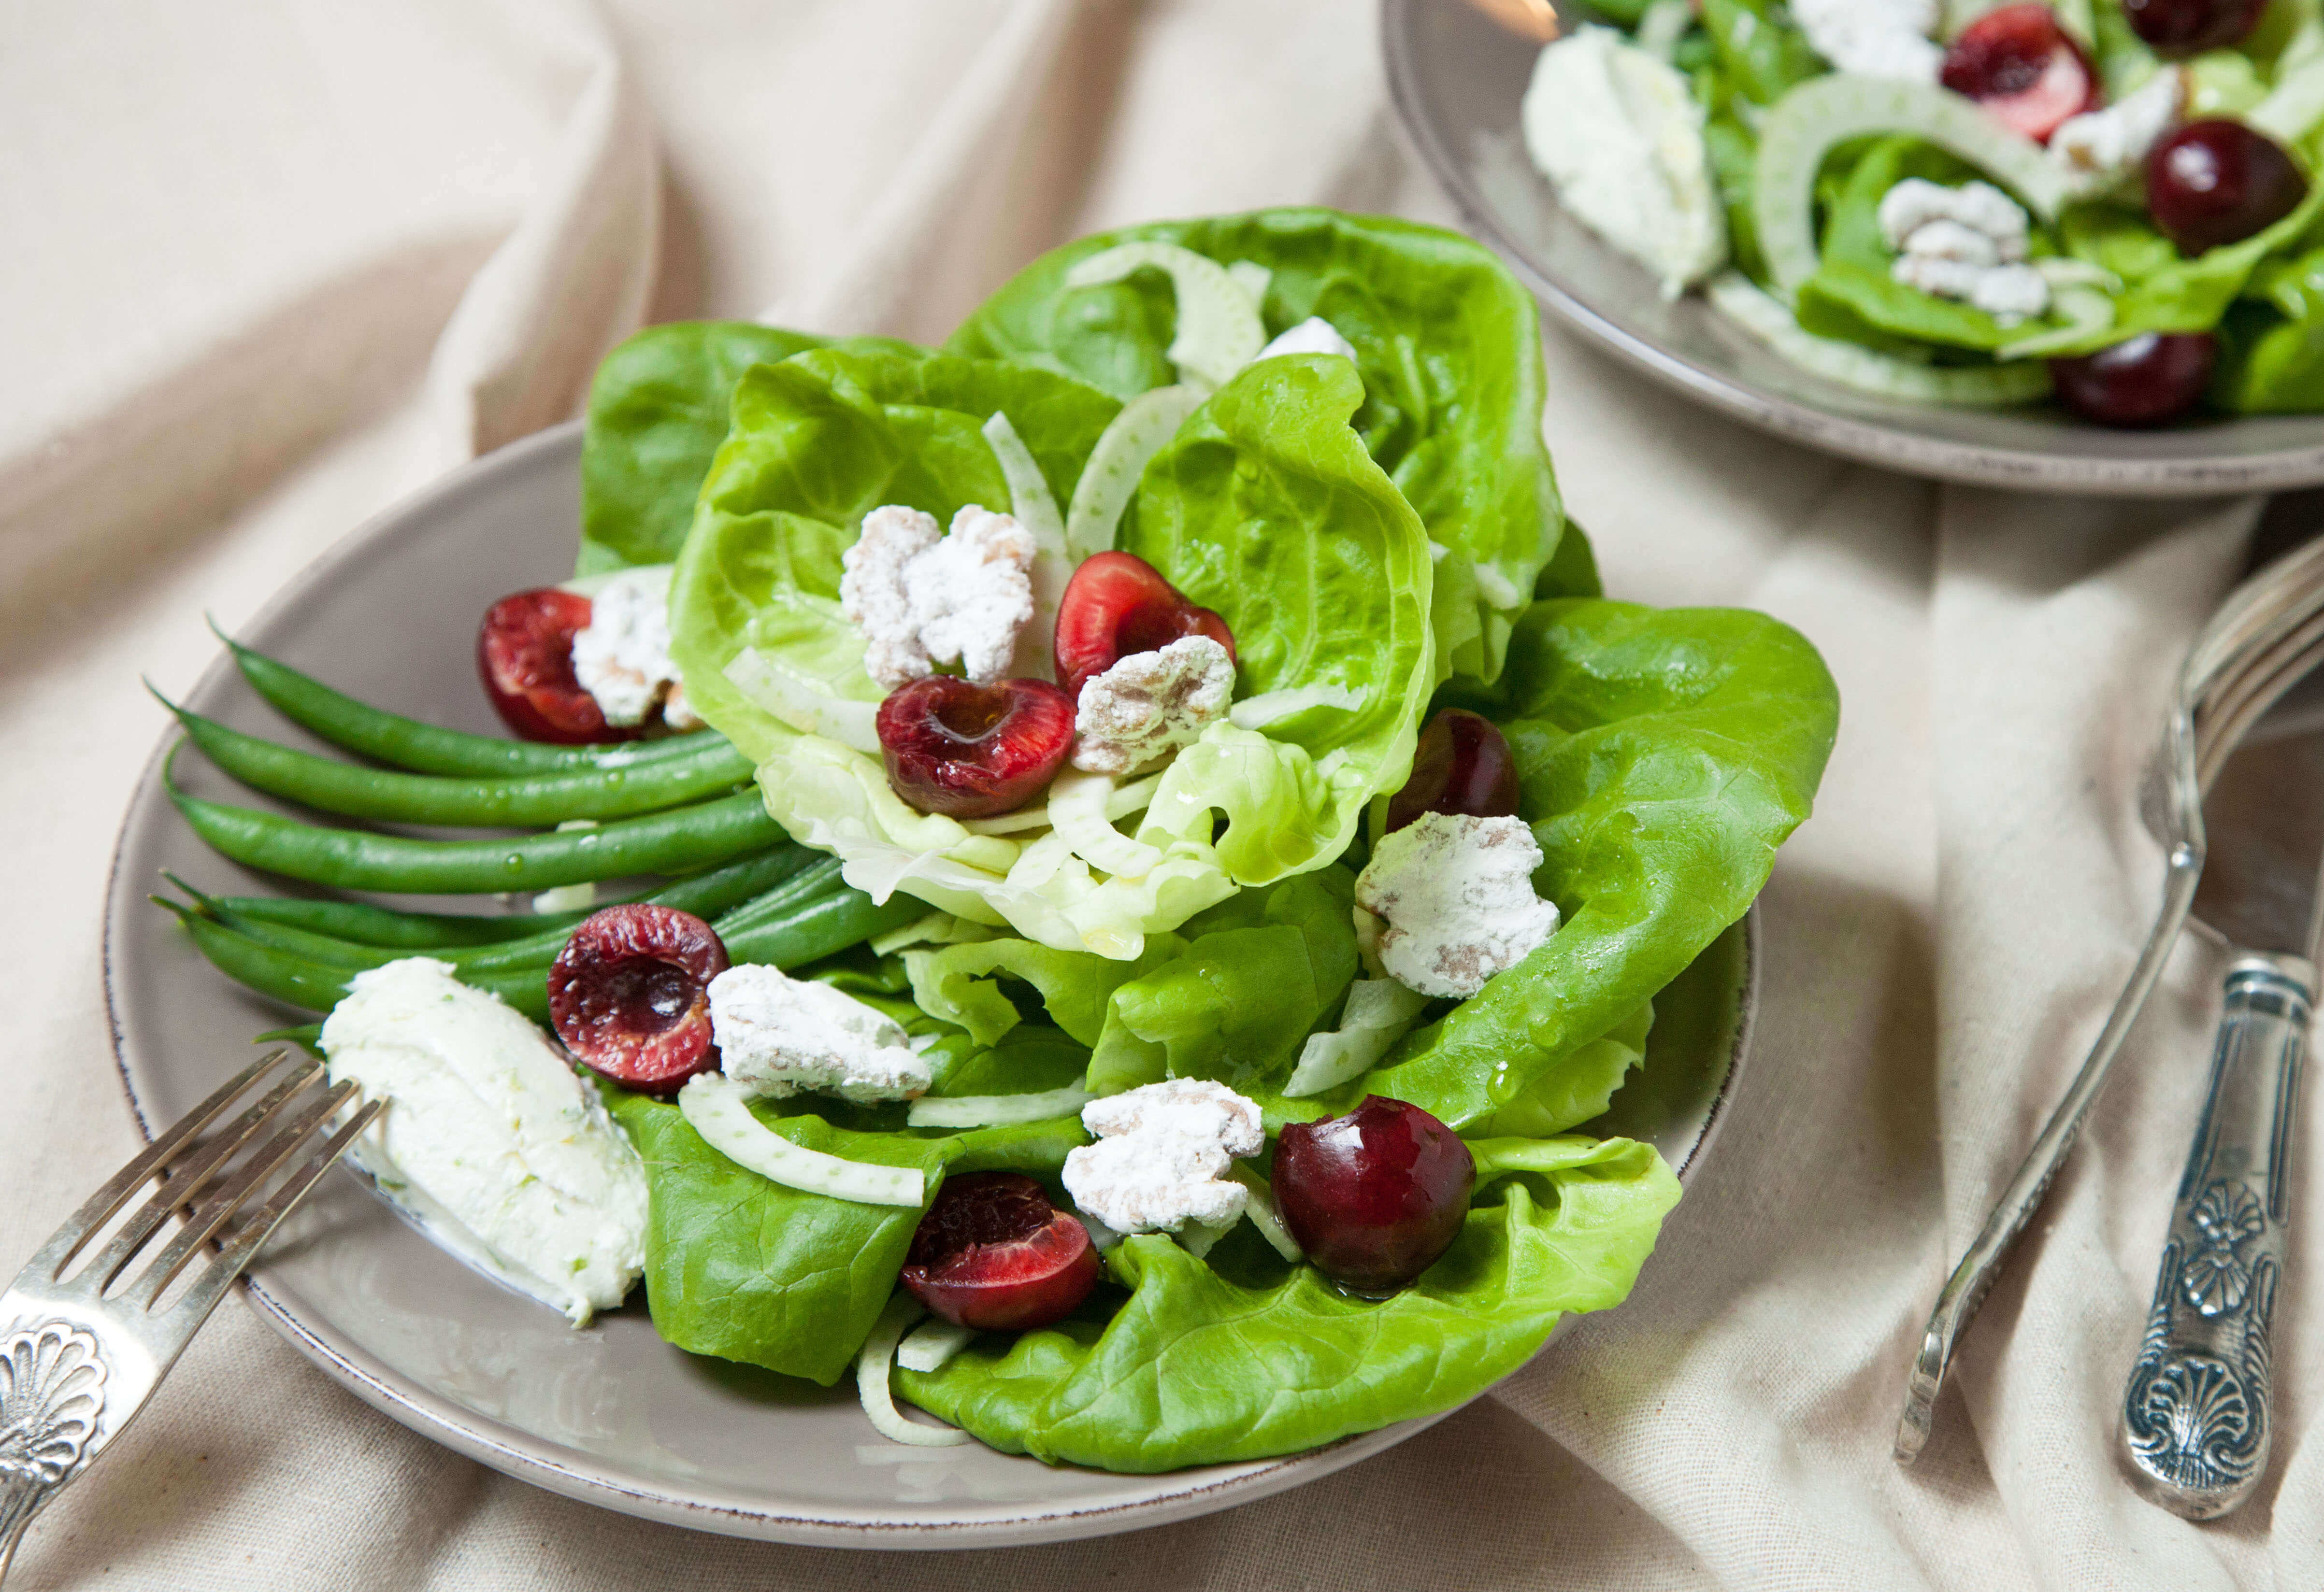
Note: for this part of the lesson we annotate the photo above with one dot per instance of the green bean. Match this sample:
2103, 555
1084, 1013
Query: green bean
365, 924
705, 895
674, 841
830, 923
308, 1037
509, 802
314, 986
430, 749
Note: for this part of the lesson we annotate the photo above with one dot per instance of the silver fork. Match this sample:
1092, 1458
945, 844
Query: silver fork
80, 1356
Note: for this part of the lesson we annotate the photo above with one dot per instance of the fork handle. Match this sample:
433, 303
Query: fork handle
2196, 1426
53, 1376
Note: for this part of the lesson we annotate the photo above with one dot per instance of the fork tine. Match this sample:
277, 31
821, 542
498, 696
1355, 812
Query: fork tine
103, 1205
237, 1251
219, 1208
189, 1180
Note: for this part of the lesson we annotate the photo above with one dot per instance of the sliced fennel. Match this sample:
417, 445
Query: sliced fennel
996, 1110
2294, 107
1252, 278
718, 1108
1078, 806
1661, 26
1129, 440
1377, 1013
872, 1367
1219, 329
1263, 1214
931, 1345
1034, 507
1125, 800
1867, 370
1200, 1237
1257, 712
1823, 111
2085, 310
803, 704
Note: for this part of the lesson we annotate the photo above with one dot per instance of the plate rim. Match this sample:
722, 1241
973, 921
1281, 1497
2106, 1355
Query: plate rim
559, 1468
1861, 441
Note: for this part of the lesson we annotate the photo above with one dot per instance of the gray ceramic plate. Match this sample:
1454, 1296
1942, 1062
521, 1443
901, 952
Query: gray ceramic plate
1457, 79
613, 1414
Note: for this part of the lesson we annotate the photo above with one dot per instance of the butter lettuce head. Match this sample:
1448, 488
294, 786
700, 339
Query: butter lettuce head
1448, 345
1265, 507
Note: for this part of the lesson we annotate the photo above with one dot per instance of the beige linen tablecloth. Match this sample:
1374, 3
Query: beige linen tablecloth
268, 267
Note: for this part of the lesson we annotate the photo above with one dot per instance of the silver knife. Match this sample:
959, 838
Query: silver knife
2196, 1418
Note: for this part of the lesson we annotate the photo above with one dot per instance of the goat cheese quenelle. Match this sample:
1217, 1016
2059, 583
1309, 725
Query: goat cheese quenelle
2109, 201
1094, 878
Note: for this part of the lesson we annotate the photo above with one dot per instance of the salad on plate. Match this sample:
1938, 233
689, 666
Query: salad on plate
2109, 201
1088, 876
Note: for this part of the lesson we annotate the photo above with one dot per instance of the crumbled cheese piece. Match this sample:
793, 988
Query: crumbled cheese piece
1618, 131
1967, 243
2008, 293
1149, 705
1161, 1156
1313, 336
2100, 146
489, 1139
1916, 202
622, 656
1874, 38
922, 599
1457, 894
871, 591
779, 1036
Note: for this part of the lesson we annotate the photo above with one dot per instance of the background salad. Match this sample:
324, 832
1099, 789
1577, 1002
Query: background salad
2109, 199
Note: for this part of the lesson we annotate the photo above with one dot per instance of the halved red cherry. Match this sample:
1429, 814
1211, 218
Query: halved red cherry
2024, 69
2142, 380
524, 651
2216, 182
994, 1253
1373, 1197
967, 750
630, 995
1461, 766
1117, 603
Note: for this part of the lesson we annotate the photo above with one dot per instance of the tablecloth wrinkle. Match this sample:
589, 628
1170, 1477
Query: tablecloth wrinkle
274, 266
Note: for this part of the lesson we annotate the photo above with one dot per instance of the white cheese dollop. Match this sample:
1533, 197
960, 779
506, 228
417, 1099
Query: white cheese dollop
1617, 131
1149, 705
780, 1035
1874, 38
489, 1137
622, 656
1161, 1156
1967, 243
1313, 336
1455, 894
922, 599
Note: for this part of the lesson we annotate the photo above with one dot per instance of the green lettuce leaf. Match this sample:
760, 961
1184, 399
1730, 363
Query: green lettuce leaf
2271, 344
1663, 756
1448, 345
1251, 1358
1265, 507
657, 414
749, 1270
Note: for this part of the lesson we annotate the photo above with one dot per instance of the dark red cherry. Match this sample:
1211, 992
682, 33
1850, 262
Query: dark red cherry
2190, 27
1373, 1197
2022, 68
2142, 381
524, 651
1461, 766
969, 750
1117, 603
630, 995
2219, 182
994, 1253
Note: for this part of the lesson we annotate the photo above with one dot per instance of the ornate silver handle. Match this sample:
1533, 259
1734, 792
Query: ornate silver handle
53, 1378
2195, 1419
